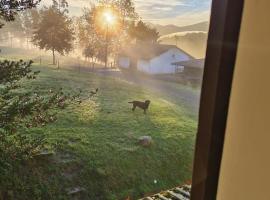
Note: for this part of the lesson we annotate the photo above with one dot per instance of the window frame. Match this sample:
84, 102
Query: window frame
225, 24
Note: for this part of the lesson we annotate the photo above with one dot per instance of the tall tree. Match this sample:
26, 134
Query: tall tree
89, 38
126, 9
125, 15
54, 32
142, 32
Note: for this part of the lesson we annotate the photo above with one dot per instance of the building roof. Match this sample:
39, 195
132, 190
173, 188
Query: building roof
148, 51
194, 63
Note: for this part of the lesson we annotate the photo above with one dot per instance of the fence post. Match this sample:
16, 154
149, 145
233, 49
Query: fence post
58, 64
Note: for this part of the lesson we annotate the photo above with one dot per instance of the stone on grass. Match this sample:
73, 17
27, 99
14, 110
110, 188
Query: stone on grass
75, 190
145, 141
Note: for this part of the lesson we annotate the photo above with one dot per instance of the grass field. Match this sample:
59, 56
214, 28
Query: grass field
101, 136
95, 143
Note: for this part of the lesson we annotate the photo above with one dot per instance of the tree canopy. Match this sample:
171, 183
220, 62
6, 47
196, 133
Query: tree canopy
54, 32
142, 32
9, 8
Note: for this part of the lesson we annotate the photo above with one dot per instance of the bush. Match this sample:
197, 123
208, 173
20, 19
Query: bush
20, 112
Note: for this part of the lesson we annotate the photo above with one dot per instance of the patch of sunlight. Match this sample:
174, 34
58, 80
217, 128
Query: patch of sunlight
87, 110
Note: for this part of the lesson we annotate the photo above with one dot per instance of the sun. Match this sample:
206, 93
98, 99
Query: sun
109, 17
107, 20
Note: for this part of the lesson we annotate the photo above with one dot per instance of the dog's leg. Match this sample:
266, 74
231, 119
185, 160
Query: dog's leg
134, 107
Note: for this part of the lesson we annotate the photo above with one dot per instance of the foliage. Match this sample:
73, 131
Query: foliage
20, 112
143, 32
54, 32
94, 36
61, 5
29, 20
9, 8
89, 40
126, 9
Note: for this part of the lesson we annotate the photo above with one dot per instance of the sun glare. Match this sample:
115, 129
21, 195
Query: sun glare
107, 20
109, 17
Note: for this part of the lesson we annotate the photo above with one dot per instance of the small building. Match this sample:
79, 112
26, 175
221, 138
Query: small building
152, 58
191, 68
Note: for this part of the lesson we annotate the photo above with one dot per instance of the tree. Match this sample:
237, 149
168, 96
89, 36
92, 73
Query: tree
112, 36
89, 39
20, 112
9, 8
29, 20
54, 32
126, 9
142, 32
61, 5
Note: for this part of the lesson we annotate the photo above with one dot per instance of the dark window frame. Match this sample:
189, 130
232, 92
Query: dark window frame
225, 24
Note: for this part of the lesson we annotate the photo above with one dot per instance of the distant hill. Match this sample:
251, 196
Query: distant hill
193, 42
168, 29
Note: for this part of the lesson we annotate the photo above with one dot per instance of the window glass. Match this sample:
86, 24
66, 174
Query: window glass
100, 99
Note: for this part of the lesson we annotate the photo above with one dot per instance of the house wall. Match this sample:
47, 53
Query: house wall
163, 63
144, 66
245, 169
124, 62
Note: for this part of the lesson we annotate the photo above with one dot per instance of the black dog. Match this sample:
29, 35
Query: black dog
140, 104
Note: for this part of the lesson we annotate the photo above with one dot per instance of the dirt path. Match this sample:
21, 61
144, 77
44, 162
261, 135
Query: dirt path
174, 92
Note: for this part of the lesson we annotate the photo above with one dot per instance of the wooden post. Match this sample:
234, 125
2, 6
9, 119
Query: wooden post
58, 64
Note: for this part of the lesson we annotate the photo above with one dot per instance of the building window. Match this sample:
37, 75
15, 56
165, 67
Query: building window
180, 69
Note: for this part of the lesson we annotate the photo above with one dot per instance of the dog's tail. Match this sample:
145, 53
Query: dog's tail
131, 102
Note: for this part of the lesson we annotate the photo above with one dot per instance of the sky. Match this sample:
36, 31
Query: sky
163, 12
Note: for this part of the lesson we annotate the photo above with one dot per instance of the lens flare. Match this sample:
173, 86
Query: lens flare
109, 17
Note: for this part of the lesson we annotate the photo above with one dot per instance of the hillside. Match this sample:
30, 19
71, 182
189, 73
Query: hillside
193, 42
168, 29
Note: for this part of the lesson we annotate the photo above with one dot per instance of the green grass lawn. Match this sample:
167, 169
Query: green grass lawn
97, 140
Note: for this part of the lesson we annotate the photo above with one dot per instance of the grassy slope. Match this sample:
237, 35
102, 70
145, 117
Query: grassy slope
101, 135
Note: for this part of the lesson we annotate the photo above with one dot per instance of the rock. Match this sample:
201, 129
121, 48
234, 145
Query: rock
75, 190
145, 141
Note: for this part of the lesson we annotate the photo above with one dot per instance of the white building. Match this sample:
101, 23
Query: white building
152, 58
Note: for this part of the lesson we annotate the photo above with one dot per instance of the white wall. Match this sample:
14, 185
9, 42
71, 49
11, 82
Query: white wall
158, 65
245, 169
143, 66
124, 62
163, 63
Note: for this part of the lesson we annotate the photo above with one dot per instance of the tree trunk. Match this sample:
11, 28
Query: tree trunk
93, 63
53, 57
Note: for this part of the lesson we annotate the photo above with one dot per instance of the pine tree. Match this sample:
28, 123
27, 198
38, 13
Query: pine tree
20, 112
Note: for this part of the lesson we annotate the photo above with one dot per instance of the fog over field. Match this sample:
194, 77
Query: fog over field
193, 42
